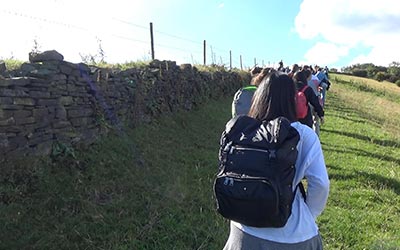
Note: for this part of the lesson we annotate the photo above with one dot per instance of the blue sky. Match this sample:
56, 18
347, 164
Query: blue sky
334, 33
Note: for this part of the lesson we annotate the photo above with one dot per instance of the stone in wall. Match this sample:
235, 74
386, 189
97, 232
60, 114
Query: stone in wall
50, 55
2, 67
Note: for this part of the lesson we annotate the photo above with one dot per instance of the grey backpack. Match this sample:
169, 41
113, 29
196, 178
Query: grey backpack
242, 100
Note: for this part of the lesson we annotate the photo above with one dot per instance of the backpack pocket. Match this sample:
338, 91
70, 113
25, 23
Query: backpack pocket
253, 201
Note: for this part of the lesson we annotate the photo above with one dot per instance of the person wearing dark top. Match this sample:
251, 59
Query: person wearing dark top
301, 78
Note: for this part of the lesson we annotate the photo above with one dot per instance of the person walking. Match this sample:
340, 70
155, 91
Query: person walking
242, 99
275, 97
301, 79
324, 82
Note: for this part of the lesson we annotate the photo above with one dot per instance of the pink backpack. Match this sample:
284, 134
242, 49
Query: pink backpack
301, 103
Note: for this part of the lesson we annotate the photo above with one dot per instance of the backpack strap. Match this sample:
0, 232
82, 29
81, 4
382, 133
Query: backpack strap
304, 88
235, 126
250, 87
302, 190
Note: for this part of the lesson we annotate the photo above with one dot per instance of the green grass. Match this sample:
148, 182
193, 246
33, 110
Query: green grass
363, 158
12, 64
361, 85
124, 66
151, 188
115, 197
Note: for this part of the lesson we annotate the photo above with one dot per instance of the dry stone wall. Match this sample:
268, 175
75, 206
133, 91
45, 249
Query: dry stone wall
49, 100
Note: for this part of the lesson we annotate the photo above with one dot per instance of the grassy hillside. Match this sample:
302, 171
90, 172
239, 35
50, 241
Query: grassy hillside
151, 188
361, 143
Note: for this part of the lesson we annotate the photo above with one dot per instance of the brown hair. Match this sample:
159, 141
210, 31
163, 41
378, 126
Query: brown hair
255, 71
264, 72
302, 76
274, 97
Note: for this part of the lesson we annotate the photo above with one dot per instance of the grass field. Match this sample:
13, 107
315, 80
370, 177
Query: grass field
151, 188
362, 150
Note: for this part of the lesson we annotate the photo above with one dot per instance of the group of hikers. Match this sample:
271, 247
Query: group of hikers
268, 149
312, 82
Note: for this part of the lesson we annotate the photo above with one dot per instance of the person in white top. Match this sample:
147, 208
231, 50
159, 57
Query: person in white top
275, 97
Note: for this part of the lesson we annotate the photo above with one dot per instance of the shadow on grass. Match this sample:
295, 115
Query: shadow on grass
375, 181
360, 152
379, 180
348, 118
328, 166
385, 143
342, 109
351, 114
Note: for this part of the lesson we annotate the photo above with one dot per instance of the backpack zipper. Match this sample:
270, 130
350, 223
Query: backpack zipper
230, 177
248, 149
270, 152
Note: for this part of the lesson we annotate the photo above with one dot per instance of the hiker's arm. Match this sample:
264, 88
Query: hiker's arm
317, 177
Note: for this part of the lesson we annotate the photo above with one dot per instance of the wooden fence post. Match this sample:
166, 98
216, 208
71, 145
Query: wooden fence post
204, 52
230, 59
152, 41
241, 65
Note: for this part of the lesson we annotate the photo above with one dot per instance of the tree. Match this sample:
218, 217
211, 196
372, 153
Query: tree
360, 72
394, 69
380, 76
333, 70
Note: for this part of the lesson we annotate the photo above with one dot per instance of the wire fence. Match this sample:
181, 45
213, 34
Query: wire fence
136, 42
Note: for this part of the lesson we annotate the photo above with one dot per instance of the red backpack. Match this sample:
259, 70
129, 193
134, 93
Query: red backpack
301, 103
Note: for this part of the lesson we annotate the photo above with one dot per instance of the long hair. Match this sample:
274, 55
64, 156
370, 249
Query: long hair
274, 97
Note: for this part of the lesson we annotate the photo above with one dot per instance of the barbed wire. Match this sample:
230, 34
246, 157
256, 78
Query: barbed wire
44, 20
131, 24
175, 48
177, 37
130, 39
215, 55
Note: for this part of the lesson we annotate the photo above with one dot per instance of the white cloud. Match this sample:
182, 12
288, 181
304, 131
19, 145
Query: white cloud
380, 55
325, 53
221, 5
352, 23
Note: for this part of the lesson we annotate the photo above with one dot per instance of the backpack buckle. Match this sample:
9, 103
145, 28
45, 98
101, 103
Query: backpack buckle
272, 154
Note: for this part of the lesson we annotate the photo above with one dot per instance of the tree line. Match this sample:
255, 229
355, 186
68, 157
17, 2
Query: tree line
379, 73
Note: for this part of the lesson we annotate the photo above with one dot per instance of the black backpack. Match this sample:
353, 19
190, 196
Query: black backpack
256, 170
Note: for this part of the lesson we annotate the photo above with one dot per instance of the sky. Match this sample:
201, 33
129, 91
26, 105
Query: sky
335, 33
